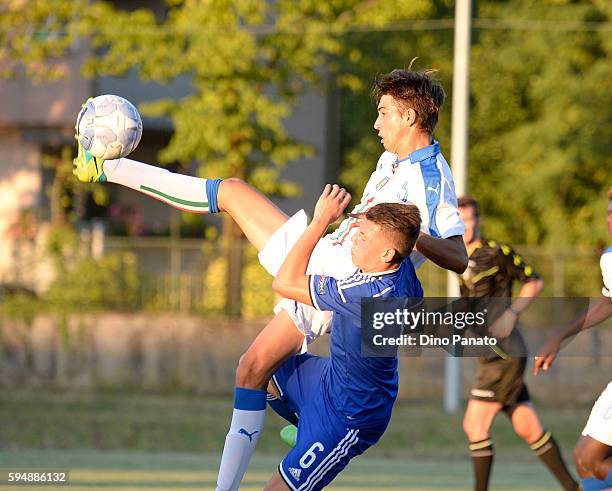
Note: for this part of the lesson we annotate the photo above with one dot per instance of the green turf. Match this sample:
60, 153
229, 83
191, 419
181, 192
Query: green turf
133, 440
121, 471
111, 420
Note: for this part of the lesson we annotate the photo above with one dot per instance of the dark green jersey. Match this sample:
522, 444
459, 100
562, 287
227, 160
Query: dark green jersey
492, 268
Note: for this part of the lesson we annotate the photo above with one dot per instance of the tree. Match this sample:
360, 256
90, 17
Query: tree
540, 125
248, 61
35, 35
540, 133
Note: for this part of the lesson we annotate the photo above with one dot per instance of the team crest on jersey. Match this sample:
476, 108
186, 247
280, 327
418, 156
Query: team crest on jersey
382, 183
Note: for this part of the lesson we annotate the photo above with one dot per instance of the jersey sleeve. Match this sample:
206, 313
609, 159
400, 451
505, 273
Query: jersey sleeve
448, 218
606, 272
515, 266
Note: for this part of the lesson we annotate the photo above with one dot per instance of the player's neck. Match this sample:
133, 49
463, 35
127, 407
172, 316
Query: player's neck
415, 141
381, 269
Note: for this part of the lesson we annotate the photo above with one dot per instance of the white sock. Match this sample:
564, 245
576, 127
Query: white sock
186, 193
246, 427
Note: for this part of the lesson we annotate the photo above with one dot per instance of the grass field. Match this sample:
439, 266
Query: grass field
133, 441
126, 471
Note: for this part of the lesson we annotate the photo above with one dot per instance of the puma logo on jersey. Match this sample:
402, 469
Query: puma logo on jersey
295, 473
244, 432
432, 189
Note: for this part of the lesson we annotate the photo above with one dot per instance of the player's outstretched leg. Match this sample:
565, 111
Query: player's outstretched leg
527, 425
258, 218
255, 214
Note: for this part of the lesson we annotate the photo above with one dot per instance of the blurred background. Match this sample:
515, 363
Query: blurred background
122, 320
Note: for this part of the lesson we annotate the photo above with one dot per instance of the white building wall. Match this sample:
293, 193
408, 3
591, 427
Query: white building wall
20, 188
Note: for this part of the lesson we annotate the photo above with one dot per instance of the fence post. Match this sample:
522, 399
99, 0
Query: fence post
98, 239
175, 258
559, 275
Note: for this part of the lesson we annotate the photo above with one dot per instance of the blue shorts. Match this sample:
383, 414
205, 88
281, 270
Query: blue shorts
325, 442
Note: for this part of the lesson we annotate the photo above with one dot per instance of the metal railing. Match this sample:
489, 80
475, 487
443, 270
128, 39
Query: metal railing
175, 271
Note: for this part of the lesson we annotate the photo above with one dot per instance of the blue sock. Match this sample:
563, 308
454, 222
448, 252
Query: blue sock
592, 484
608, 480
212, 189
282, 409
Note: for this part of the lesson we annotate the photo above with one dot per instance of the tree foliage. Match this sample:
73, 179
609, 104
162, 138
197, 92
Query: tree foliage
541, 132
35, 36
540, 124
247, 61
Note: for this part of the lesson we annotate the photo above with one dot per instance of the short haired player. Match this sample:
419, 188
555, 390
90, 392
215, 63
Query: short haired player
411, 170
344, 402
499, 384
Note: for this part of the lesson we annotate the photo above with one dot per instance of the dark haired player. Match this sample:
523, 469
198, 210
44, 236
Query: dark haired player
411, 170
499, 386
344, 402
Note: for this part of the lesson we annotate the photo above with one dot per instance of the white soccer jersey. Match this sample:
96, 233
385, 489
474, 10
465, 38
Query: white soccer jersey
606, 272
423, 179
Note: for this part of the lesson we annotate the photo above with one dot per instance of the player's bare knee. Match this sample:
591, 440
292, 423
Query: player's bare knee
228, 190
251, 372
593, 458
588, 459
232, 185
529, 433
474, 430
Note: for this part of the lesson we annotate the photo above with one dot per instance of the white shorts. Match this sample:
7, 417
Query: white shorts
326, 259
599, 425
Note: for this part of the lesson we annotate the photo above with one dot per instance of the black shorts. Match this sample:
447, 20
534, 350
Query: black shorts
499, 380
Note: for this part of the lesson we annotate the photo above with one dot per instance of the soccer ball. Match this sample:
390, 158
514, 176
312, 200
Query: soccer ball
109, 127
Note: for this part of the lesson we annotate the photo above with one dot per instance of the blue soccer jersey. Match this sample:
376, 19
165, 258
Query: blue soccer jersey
359, 387
344, 402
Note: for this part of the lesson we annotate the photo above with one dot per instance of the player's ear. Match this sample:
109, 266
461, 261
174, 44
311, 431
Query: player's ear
410, 116
389, 255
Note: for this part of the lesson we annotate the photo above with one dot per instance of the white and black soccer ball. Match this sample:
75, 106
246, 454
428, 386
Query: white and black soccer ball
109, 127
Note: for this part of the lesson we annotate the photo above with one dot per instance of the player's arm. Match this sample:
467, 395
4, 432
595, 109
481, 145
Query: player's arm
443, 245
291, 280
595, 314
448, 253
532, 285
529, 291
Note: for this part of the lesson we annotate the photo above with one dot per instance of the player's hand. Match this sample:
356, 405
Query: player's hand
546, 355
503, 326
331, 204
